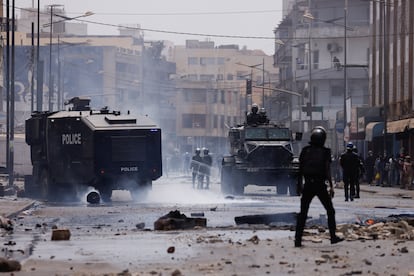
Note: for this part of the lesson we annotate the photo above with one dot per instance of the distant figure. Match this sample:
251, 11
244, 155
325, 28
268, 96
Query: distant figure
350, 166
407, 173
195, 165
262, 116
314, 166
205, 169
369, 167
186, 162
337, 64
253, 117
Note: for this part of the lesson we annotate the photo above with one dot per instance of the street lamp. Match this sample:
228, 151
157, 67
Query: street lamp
50, 24
309, 16
263, 74
50, 55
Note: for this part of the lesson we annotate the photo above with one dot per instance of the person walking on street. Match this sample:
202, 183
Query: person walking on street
361, 172
196, 161
314, 167
407, 173
369, 167
350, 167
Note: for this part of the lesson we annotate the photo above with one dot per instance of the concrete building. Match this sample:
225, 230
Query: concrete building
325, 58
391, 76
211, 83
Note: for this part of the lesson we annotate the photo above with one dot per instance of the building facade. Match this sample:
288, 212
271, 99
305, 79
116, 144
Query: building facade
324, 57
211, 87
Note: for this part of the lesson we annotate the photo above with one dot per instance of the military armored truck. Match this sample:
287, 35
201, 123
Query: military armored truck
262, 154
81, 147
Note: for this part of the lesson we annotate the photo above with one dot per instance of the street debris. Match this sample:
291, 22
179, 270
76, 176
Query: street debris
381, 230
9, 265
279, 218
6, 223
174, 220
60, 234
171, 249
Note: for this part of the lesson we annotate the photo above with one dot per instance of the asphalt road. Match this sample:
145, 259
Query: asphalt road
119, 237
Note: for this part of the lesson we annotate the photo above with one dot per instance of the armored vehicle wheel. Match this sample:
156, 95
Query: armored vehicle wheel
226, 180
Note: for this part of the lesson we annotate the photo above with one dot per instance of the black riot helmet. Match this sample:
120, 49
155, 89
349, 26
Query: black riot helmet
255, 108
205, 151
318, 136
197, 151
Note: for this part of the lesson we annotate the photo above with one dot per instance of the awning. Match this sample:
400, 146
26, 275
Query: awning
373, 129
398, 126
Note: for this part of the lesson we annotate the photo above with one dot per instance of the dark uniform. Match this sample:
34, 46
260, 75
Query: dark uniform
350, 164
196, 161
253, 117
314, 166
205, 169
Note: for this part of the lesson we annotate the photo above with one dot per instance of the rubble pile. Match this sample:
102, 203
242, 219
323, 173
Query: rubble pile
174, 220
402, 229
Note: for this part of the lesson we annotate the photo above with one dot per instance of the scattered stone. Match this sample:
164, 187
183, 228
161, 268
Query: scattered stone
255, 239
9, 265
60, 234
213, 209
176, 273
403, 249
6, 223
140, 225
171, 249
175, 220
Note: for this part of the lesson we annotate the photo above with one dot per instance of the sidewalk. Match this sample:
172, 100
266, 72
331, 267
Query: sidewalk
387, 191
10, 206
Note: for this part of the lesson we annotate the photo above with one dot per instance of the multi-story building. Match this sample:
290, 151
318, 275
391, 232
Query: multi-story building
391, 76
324, 56
211, 83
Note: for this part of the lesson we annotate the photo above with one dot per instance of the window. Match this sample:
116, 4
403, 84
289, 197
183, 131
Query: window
215, 121
221, 60
316, 59
194, 121
192, 77
220, 77
207, 61
337, 91
222, 97
230, 76
195, 96
241, 75
206, 77
192, 61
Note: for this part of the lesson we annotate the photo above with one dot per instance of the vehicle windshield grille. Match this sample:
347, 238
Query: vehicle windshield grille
275, 156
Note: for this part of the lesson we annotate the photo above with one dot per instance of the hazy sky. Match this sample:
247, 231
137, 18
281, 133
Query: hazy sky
213, 17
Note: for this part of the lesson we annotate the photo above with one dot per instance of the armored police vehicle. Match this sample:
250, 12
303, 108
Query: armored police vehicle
81, 147
262, 154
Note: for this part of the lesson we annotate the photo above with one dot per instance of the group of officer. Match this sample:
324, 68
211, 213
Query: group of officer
200, 167
352, 170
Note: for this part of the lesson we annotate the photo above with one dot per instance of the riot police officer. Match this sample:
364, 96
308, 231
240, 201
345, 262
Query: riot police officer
205, 169
253, 117
195, 163
314, 167
350, 166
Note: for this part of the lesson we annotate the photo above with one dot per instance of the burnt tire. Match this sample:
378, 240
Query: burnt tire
238, 184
